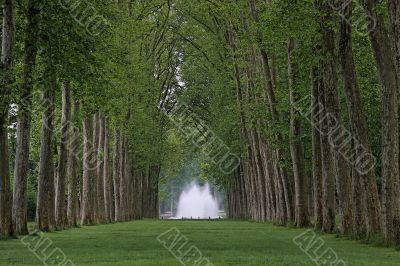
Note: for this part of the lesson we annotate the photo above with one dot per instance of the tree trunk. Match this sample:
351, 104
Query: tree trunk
270, 92
100, 171
316, 150
89, 162
45, 202
394, 15
116, 173
336, 132
107, 177
122, 179
63, 158
385, 60
296, 148
72, 172
7, 59
95, 170
328, 182
359, 131
24, 121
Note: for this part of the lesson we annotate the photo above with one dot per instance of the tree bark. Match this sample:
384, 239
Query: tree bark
95, 170
316, 150
89, 162
328, 182
107, 178
45, 202
61, 221
122, 178
72, 172
100, 171
116, 173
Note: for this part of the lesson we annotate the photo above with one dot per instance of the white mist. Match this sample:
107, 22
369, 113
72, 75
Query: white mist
197, 202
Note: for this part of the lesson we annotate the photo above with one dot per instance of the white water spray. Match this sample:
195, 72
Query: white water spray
197, 202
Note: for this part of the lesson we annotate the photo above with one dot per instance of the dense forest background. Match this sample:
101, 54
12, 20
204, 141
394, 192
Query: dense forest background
291, 108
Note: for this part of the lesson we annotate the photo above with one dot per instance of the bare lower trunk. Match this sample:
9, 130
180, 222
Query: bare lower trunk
72, 172
107, 177
95, 170
45, 203
122, 178
63, 158
316, 147
100, 171
116, 173
6, 229
296, 148
89, 162
328, 182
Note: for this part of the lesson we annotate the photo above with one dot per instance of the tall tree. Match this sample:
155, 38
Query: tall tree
333, 117
7, 61
385, 61
24, 119
358, 126
296, 148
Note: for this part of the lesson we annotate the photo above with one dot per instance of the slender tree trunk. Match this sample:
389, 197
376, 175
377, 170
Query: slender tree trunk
24, 122
270, 91
316, 147
385, 60
63, 158
116, 173
89, 162
122, 178
72, 173
45, 203
100, 171
296, 148
328, 182
95, 170
107, 177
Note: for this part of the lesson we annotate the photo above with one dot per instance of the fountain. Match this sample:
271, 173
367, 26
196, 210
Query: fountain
196, 202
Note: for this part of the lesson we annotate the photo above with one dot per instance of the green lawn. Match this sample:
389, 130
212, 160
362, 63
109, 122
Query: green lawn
222, 242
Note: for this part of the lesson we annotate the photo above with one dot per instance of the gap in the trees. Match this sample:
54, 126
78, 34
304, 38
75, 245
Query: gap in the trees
190, 195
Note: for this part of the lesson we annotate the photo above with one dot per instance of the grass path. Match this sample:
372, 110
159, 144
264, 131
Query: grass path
223, 242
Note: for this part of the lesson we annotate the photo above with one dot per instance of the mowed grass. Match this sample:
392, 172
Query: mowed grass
222, 242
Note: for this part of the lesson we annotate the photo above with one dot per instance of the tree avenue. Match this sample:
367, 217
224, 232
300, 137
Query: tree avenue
293, 110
